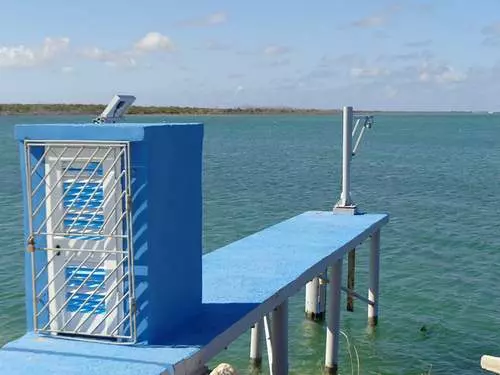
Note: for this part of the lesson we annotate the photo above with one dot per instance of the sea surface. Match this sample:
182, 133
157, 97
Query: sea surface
438, 175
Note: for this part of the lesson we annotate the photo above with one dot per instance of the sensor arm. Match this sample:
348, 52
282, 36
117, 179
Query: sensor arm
367, 124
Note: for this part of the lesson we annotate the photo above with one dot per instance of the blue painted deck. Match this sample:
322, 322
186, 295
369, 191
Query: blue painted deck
241, 282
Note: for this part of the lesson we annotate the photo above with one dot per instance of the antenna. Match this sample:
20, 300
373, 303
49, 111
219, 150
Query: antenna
115, 109
345, 204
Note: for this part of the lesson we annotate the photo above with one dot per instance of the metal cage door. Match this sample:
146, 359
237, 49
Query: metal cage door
79, 204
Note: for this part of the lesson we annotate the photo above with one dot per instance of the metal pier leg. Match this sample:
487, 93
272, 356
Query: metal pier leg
279, 334
351, 272
256, 345
316, 298
374, 279
333, 322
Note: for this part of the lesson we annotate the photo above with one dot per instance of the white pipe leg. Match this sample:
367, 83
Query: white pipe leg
373, 286
256, 345
316, 298
279, 334
333, 321
269, 342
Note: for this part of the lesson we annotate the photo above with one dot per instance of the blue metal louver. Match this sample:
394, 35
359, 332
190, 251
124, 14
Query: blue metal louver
83, 203
82, 283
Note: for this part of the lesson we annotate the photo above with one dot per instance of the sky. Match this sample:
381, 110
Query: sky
371, 54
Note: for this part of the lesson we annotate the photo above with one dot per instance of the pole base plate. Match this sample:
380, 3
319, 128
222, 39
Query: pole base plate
346, 210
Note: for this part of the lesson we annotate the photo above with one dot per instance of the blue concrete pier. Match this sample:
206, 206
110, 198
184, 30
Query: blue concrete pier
236, 293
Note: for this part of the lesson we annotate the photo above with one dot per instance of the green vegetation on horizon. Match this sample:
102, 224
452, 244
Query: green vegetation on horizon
96, 109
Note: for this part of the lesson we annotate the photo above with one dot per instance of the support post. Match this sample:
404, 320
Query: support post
256, 345
333, 322
279, 335
316, 298
351, 272
345, 203
373, 286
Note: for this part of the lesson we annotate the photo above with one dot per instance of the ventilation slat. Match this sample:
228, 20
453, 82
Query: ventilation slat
76, 300
83, 201
85, 289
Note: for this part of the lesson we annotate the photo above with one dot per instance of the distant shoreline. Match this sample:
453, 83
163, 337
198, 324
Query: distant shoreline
96, 109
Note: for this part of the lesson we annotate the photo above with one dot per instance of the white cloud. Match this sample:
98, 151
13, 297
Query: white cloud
127, 62
368, 72
95, 53
491, 34
67, 69
442, 74
377, 20
274, 50
238, 89
216, 18
22, 56
154, 41
280, 62
213, 45
109, 58
210, 20
343, 60
151, 42
419, 43
391, 91
52, 47
19, 56
369, 22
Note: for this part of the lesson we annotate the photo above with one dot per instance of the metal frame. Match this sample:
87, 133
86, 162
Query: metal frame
345, 203
84, 244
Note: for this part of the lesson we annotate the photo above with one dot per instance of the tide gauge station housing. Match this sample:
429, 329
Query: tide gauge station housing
113, 220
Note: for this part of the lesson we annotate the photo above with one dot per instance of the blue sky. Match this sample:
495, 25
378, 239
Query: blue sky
411, 55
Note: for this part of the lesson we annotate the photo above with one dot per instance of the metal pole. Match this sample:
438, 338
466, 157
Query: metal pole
351, 272
279, 334
316, 298
373, 291
333, 322
256, 345
345, 197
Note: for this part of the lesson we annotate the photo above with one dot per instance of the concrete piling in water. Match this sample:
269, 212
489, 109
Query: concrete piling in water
351, 272
256, 345
316, 298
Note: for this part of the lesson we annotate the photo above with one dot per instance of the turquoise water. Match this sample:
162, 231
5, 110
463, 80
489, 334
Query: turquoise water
437, 175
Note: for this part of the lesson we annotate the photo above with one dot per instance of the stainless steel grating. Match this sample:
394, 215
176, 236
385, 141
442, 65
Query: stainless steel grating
80, 237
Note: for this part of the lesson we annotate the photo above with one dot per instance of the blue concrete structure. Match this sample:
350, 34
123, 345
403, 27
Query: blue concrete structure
189, 307
236, 293
166, 169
